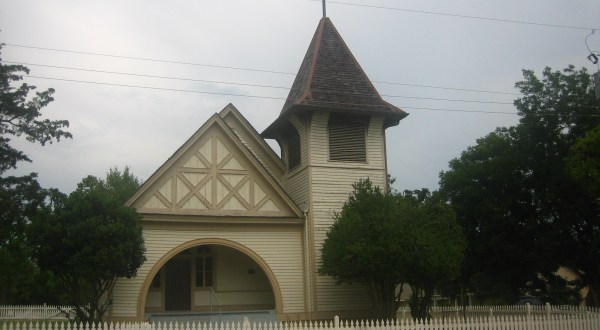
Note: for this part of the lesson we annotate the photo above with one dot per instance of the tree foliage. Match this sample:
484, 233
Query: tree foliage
20, 197
20, 116
584, 161
385, 240
367, 245
523, 210
90, 239
437, 249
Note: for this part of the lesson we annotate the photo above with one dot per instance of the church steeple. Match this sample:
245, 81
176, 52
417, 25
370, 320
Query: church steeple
331, 131
331, 79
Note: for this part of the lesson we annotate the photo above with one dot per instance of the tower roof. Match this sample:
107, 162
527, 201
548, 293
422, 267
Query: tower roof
331, 79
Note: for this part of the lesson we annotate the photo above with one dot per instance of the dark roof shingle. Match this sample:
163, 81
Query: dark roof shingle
330, 78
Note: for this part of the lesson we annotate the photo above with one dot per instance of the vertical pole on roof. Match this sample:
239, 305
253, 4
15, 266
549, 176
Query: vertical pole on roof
324, 10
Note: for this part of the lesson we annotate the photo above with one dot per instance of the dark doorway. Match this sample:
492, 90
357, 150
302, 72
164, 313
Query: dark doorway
178, 284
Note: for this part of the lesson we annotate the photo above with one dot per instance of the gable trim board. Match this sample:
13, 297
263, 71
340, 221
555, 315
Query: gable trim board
235, 119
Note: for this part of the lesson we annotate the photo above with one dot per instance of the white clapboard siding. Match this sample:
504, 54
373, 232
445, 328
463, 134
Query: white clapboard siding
296, 185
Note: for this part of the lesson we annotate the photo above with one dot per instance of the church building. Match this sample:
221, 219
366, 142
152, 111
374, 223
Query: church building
229, 224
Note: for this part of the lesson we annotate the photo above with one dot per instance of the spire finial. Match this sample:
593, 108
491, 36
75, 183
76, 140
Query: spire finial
324, 10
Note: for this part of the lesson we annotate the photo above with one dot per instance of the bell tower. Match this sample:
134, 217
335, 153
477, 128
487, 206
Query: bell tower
331, 131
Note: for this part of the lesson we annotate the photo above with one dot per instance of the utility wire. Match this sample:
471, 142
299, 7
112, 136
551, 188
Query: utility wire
145, 75
283, 98
157, 88
150, 59
447, 88
245, 69
242, 84
459, 15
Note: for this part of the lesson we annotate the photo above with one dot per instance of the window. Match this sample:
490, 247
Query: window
347, 138
204, 267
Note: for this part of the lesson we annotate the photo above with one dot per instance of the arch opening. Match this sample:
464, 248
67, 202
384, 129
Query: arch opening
209, 275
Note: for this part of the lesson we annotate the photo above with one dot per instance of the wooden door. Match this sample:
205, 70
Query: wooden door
178, 287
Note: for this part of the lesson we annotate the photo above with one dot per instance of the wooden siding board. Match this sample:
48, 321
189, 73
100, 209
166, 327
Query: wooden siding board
297, 187
318, 138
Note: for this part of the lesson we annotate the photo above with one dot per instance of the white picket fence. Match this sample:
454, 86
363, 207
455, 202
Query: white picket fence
523, 317
45, 312
573, 321
498, 310
35, 312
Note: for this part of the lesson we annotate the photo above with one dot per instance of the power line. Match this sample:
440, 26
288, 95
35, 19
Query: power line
461, 16
245, 69
241, 84
157, 88
447, 100
283, 98
145, 75
447, 88
150, 59
502, 112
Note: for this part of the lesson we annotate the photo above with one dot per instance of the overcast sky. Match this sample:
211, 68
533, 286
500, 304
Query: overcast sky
119, 126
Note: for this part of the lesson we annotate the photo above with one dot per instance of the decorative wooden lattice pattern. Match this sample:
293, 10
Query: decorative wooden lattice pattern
212, 178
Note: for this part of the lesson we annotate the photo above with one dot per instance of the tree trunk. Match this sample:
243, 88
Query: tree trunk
420, 302
592, 299
383, 295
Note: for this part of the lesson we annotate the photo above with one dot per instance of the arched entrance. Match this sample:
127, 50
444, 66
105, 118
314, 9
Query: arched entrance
209, 274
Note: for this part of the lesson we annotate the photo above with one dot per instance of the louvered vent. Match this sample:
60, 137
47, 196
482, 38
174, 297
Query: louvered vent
293, 152
347, 138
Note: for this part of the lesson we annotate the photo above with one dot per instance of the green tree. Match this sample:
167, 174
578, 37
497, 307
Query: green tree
20, 197
584, 236
89, 239
523, 211
385, 241
367, 244
436, 251
584, 161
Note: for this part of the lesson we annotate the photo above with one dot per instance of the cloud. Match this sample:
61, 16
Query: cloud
142, 127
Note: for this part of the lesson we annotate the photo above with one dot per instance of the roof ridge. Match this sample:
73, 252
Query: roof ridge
315, 55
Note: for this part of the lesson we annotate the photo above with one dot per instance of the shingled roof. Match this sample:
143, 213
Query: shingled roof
331, 79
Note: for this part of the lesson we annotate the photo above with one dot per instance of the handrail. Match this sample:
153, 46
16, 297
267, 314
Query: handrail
213, 293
